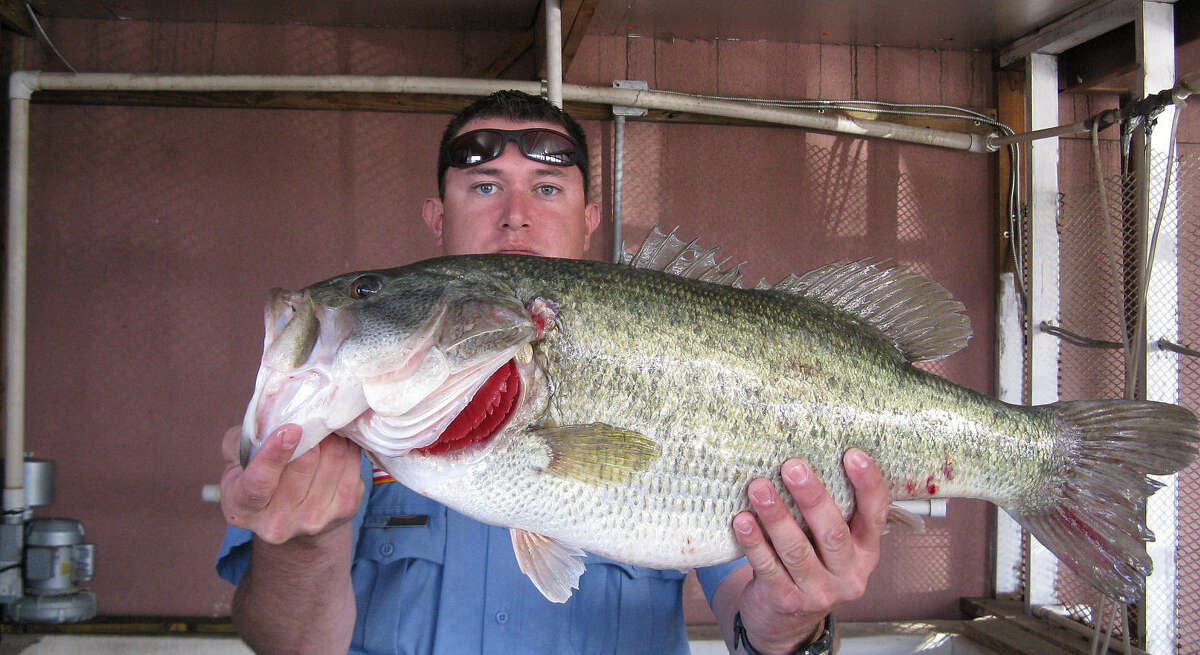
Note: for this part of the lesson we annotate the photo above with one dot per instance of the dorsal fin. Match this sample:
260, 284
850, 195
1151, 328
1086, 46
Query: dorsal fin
916, 313
665, 252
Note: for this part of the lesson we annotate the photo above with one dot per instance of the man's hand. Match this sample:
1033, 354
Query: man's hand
279, 500
794, 585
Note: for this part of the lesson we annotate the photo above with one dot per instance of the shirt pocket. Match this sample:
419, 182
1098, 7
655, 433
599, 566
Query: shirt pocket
397, 573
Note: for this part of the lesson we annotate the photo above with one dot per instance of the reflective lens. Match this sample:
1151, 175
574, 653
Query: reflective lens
539, 144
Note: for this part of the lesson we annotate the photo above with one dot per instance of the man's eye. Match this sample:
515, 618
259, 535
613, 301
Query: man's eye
486, 188
547, 190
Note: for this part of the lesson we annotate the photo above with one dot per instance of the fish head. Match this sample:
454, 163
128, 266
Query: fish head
387, 358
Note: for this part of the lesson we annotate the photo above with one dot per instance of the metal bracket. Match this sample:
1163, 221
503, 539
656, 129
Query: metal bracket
639, 85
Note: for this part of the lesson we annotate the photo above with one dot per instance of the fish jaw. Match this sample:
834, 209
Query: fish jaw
300, 379
438, 474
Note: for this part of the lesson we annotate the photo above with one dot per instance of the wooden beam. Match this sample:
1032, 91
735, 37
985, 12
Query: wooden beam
1079, 26
1107, 63
577, 16
505, 60
1092, 66
1010, 110
1005, 627
13, 16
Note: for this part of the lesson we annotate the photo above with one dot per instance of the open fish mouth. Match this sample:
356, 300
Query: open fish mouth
436, 393
485, 414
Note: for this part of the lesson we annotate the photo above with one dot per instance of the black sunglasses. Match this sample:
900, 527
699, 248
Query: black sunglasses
538, 143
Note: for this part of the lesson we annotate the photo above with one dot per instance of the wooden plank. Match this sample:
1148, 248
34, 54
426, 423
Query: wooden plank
581, 12
1006, 639
1006, 621
1079, 26
1010, 110
14, 16
517, 49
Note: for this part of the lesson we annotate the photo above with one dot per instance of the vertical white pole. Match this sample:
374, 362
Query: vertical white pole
1010, 375
554, 70
1155, 28
1042, 96
14, 311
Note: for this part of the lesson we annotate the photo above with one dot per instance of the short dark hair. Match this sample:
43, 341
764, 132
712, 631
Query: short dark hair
515, 106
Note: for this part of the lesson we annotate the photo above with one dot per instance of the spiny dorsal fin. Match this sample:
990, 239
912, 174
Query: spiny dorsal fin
918, 314
665, 252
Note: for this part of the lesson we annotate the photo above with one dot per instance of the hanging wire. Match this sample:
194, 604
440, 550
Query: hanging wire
46, 38
1139, 344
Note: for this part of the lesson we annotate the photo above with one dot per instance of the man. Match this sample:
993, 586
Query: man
331, 566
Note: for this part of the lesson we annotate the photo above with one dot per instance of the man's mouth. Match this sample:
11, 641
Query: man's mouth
518, 251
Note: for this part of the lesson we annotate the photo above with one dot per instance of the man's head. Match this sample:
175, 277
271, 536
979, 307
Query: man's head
517, 107
509, 191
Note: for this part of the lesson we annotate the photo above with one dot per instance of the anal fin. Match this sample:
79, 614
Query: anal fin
552, 566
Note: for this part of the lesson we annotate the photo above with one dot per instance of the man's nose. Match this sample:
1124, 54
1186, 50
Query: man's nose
517, 213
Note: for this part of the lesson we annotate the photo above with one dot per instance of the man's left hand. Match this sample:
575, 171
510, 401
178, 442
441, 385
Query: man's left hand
796, 583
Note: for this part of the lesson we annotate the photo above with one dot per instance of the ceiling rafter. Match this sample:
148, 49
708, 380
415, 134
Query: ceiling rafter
13, 16
576, 17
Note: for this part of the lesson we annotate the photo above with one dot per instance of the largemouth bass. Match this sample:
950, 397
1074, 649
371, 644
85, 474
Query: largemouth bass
623, 409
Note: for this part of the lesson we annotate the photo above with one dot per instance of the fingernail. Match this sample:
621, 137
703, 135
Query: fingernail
291, 437
743, 524
857, 459
763, 496
797, 473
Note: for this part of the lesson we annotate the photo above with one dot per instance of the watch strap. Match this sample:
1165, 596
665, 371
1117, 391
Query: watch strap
822, 645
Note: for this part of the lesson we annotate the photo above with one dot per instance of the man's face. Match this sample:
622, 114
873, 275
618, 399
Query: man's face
512, 204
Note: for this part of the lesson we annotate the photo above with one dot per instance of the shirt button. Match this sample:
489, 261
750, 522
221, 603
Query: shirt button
386, 549
501, 617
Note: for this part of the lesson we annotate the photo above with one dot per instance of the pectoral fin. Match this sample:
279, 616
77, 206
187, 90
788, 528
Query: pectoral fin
597, 453
552, 566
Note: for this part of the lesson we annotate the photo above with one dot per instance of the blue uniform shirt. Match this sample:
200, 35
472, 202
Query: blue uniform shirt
488, 605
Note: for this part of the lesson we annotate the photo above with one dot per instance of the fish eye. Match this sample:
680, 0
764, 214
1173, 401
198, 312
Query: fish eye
365, 285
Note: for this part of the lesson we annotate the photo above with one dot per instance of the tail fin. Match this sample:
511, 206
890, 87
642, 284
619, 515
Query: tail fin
1095, 526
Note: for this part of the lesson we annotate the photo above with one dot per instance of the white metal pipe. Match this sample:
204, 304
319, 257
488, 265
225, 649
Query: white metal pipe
782, 116
554, 71
461, 86
618, 186
935, 507
311, 83
14, 310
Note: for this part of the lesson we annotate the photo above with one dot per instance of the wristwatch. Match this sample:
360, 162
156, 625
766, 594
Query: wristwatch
822, 646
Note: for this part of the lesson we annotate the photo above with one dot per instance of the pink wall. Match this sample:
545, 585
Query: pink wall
156, 233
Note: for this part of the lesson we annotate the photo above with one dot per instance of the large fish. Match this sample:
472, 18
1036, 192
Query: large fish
622, 410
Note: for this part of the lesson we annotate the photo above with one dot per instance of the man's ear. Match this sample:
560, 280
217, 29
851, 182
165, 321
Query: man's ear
433, 211
591, 221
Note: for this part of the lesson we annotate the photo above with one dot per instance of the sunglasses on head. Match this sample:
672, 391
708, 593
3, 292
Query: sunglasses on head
539, 144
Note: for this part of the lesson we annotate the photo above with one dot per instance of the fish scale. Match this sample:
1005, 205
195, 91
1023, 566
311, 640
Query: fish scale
649, 401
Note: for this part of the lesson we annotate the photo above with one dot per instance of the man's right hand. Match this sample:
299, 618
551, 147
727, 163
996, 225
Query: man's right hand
279, 500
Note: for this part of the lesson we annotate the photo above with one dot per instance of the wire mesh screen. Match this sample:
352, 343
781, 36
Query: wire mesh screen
1098, 281
1187, 547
